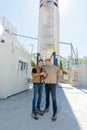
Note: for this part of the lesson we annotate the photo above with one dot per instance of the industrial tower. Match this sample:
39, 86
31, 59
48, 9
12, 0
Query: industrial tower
49, 28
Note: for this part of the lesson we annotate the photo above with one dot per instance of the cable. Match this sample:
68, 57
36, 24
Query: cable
25, 36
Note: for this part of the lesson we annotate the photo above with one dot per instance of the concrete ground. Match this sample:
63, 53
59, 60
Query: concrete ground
15, 111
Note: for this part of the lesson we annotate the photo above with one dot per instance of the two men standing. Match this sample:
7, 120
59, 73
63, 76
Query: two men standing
50, 75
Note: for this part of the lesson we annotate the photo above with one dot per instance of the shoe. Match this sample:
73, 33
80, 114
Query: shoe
54, 117
39, 112
34, 115
45, 110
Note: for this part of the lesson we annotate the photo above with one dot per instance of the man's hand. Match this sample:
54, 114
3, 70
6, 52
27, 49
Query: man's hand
42, 73
60, 72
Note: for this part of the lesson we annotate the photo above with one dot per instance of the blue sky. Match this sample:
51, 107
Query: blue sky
24, 15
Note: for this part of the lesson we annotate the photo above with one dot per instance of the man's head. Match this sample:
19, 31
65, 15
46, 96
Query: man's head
47, 62
40, 62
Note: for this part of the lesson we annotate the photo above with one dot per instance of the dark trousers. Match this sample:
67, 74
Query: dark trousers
51, 88
37, 96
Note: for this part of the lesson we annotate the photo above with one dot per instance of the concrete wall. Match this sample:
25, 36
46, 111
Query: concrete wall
78, 75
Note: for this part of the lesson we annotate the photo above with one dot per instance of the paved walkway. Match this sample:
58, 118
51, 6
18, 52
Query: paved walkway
15, 111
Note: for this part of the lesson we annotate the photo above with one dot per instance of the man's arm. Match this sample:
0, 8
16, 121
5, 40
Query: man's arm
59, 71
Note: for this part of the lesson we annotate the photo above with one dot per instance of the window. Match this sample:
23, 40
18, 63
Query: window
22, 67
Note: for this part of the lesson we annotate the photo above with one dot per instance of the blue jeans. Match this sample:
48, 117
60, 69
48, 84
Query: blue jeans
51, 88
37, 96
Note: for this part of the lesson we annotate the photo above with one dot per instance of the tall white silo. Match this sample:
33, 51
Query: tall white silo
49, 28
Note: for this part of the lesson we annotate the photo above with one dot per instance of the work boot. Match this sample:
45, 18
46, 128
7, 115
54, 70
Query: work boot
34, 115
39, 112
45, 110
54, 117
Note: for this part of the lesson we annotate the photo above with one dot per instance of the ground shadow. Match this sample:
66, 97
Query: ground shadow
15, 113
82, 88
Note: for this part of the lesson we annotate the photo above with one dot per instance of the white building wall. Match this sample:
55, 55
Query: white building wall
12, 78
8, 26
12, 81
